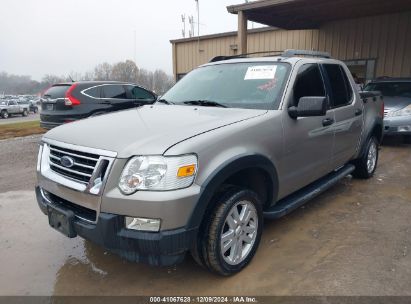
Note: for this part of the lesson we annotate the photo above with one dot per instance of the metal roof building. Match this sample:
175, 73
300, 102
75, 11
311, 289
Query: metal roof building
372, 36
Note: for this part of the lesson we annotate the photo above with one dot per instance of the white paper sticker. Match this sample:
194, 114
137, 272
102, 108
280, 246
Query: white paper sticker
261, 72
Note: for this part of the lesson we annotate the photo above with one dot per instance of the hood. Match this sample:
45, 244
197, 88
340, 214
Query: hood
396, 103
148, 129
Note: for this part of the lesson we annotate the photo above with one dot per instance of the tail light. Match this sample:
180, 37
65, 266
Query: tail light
70, 100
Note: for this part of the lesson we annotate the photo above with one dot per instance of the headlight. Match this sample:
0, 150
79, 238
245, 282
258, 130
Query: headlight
403, 112
158, 173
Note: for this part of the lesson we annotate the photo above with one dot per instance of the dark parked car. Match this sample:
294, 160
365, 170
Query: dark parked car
397, 100
68, 102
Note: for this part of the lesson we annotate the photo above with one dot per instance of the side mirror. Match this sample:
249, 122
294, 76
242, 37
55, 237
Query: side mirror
309, 106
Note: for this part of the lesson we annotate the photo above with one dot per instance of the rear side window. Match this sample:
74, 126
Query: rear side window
139, 93
58, 91
309, 83
114, 91
93, 92
341, 91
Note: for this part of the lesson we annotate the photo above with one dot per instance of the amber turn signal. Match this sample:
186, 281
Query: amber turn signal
186, 171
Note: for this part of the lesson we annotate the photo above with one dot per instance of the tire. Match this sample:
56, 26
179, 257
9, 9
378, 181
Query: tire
4, 114
230, 219
407, 139
35, 110
25, 113
367, 164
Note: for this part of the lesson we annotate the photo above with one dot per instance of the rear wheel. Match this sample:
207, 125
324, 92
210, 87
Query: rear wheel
25, 113
407, 139
232, 234
367, 164
4, 114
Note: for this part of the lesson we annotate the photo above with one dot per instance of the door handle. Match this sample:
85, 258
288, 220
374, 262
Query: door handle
358, 112
328, 122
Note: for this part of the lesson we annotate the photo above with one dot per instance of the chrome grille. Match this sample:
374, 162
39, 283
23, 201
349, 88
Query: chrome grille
82, 169
385, 113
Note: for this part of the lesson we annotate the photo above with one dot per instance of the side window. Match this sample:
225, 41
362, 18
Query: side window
139, 93
12, 103
114, 91
308, 83
93, 92
341, 91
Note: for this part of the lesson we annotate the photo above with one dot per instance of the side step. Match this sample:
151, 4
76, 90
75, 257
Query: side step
299, 198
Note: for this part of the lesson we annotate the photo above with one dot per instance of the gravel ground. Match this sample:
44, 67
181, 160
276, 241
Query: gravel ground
18, 162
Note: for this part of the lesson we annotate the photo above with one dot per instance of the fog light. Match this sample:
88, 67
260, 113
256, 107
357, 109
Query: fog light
404, 129
142, 224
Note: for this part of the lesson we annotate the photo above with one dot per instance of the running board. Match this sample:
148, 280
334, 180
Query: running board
299, 198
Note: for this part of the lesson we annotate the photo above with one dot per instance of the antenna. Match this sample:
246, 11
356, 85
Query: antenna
198, 22
71, 79
183, 19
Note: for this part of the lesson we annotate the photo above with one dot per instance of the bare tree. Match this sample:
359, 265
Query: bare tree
125, 71
103, 71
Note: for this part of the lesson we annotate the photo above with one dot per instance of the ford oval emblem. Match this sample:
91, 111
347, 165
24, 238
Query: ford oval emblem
67, 161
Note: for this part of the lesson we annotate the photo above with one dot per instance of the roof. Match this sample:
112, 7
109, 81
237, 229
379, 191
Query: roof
225, 34
304, 14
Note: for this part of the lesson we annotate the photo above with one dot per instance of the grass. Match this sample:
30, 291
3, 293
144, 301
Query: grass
20, 129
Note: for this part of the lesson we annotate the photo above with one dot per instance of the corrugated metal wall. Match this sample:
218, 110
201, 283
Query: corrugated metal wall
385, 38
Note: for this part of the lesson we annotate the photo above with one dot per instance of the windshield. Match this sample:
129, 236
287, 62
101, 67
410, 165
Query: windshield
393, 89
239, 85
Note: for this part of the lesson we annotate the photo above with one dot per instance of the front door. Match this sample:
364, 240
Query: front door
308, 140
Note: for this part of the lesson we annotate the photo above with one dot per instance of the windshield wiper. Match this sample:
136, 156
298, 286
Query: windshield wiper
165, 101
205, 103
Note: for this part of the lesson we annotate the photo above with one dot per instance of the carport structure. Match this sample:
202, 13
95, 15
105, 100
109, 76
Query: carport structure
373, 37
308, 14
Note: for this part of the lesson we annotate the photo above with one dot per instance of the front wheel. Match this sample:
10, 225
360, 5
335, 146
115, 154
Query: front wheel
25, 113
367, 164
233, 233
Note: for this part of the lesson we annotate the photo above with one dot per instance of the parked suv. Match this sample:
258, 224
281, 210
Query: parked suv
397, 100
68, 102
233, 142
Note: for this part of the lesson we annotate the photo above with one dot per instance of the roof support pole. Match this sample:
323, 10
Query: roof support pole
242, 32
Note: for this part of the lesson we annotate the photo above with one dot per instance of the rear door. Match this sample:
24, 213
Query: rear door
347, 108
53, 99
308, 140
116, 96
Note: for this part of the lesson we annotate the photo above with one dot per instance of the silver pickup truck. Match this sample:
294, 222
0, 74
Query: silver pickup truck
12, 107
235, 141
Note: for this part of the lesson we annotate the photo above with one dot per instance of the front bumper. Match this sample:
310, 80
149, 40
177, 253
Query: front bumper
400, 125
162, 248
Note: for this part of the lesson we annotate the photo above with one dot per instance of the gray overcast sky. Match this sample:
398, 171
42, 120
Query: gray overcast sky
40, 37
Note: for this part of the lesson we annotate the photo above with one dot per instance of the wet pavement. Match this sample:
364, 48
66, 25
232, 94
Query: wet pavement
355, 239
19, 118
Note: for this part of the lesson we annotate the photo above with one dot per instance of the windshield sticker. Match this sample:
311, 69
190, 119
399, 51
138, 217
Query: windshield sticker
260, 72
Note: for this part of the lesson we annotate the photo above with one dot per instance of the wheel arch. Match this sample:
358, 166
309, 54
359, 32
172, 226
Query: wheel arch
376, 130
258, 167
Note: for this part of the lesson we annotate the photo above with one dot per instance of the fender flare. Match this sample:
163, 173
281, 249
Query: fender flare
378, 123
224, 171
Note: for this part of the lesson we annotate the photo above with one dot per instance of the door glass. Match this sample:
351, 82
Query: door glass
139, 93
114, 91
341, 94
309, 82
93, 92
